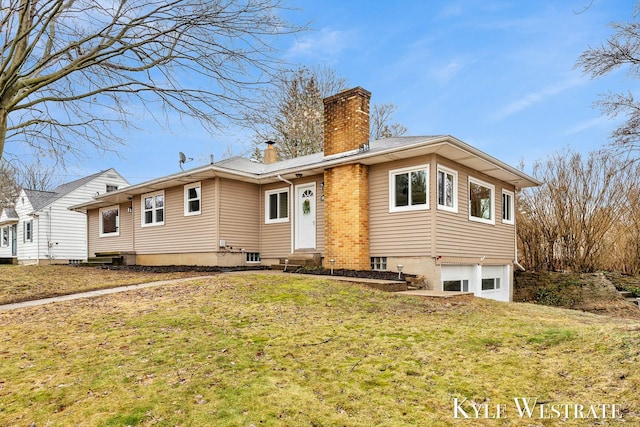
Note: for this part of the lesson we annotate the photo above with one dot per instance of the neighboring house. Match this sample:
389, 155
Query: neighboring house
433, 204
41, 228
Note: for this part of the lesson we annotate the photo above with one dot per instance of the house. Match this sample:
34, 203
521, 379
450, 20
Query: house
434, 204
41, 228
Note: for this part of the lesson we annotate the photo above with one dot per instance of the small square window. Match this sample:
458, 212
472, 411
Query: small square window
379, 263
253, 257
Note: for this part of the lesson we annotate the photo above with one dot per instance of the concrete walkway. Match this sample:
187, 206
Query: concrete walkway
97, 293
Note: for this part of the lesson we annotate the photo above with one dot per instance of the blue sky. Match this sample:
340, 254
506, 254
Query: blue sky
498, 75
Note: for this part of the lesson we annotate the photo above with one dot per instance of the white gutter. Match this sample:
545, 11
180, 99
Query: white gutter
290, 208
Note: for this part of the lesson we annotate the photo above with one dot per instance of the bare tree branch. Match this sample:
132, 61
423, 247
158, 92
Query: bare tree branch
72, 69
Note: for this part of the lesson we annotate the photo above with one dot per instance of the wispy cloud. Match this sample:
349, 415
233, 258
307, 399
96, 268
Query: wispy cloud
598, 122
322, 45
532, 98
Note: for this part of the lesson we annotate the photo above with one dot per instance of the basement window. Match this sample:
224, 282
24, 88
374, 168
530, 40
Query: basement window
491, 284
253, 256
455, 285
379, 263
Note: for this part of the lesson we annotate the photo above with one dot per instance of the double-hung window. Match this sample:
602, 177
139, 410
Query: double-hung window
481, 196
153, 209
409, 189
192, 199
110, 221
27, 231
276, 206
447, 189
5, 237
507, 207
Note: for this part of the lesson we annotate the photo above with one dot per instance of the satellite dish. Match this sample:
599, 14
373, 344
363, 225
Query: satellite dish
183, 159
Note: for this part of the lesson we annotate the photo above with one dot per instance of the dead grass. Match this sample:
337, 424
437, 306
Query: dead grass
259, 349
24, 283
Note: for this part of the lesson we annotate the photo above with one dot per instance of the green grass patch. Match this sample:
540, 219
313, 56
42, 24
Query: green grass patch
265, 350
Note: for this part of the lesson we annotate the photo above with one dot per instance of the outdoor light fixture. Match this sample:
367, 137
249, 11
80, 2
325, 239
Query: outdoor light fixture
332, 261
399, 267
298, 175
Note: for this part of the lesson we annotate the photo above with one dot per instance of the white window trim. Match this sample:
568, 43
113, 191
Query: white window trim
187, 200
102, 233
143, 210
26, 239
267, 206
2, 231
392, 189
491, 187
455, 189
511, 221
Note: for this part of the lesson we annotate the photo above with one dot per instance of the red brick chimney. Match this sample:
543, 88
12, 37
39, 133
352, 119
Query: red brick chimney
346, 121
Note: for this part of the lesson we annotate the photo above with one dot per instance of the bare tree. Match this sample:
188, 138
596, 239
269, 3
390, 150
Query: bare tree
621, 50
381, 122
9, 187
569, 221
16, 176
73, 72
292, 113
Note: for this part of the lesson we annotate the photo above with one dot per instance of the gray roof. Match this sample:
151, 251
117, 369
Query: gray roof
10, 213
41, 199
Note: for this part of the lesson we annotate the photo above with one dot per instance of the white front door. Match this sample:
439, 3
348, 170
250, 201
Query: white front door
306, 216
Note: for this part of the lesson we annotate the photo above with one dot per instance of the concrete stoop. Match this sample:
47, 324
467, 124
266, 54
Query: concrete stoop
297, 260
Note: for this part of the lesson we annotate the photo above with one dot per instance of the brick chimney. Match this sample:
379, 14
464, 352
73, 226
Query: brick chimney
346, 187
346, 121
270, 154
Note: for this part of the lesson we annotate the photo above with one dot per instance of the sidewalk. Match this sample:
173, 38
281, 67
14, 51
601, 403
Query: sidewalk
97, 293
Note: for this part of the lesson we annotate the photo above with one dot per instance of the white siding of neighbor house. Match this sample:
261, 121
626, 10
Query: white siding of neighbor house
5, 251
59, 233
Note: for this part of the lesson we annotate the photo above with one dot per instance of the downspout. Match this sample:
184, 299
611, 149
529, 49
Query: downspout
50, 242
515, 245
290, 209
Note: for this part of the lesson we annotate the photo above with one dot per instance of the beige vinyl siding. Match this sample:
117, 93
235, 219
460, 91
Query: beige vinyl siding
398, 233
276, 238
240, 215
458, 236
122, 242
180, 233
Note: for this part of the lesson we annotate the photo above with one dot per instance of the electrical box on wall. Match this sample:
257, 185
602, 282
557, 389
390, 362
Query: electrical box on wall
223, 243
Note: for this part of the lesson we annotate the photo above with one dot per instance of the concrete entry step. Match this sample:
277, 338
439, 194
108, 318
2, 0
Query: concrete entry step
302, 259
